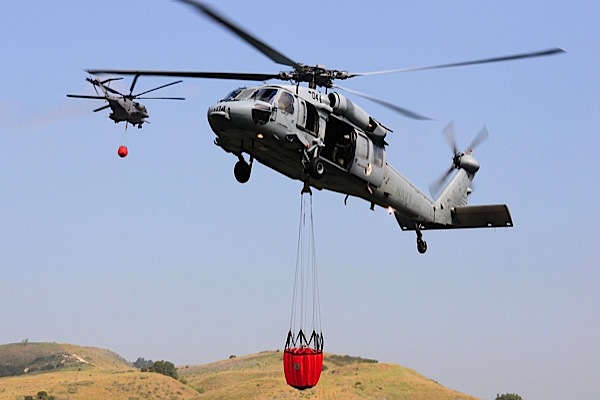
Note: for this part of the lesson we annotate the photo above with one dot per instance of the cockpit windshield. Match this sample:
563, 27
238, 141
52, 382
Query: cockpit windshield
266, 94
239, 94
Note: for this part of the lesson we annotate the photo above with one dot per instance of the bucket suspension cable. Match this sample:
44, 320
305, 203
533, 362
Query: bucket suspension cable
306, 287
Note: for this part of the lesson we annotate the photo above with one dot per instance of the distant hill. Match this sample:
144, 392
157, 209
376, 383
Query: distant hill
73, 372
27, 358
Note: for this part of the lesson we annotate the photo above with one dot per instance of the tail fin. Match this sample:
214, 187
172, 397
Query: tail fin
457, 191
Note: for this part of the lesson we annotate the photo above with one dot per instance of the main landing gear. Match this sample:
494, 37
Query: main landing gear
421, 244
316, 168
243, 169
313, 164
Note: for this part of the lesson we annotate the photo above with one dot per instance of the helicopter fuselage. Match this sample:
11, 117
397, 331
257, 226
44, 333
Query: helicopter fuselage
127, 110
284, 127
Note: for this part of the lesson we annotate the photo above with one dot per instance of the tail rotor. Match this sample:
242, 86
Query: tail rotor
460, 159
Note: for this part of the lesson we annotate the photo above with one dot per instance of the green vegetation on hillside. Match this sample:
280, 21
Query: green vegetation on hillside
508, 396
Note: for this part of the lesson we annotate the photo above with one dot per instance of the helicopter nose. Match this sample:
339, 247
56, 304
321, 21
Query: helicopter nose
226, 116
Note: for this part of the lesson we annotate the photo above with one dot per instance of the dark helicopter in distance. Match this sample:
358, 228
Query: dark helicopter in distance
124, 107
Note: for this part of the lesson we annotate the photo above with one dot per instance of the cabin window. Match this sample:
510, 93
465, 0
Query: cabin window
362, 147
266, 94
378, 152
286, 102
308, 117
302, 114
312, 118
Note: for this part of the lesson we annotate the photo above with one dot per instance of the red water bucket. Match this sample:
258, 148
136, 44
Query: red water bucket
302, 366
122, 151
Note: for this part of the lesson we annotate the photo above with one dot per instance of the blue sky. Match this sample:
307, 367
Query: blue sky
163, 255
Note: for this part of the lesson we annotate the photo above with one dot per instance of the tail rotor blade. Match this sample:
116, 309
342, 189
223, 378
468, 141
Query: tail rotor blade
450, 134
436, 186
481, 137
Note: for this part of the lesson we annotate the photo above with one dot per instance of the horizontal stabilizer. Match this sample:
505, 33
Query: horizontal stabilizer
491, 216
488, 216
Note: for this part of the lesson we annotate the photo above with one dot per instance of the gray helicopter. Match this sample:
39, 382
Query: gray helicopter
124, 106
329, 142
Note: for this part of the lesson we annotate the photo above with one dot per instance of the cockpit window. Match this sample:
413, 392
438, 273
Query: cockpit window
267, 95
238, 94
286, 102
232, 94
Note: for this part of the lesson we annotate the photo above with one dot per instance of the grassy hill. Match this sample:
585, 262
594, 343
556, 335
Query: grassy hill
88, 373
74, 372
260, 376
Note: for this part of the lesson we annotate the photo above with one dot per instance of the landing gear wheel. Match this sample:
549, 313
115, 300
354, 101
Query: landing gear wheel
316, 167
242, 171
421, 245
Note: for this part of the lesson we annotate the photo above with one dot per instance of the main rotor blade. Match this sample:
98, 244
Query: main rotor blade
541, 53
135, 78
161, 98
102, 108
192, 74
391, 106
114, 91
103, 83
78, 96
267, 50
156, 88
96, 82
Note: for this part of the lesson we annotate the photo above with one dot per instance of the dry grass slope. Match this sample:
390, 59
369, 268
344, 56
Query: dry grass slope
105, 375
260, 376
100, 374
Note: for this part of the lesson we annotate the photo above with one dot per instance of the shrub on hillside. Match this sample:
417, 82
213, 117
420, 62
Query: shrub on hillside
41, 395
508, 396
10, 370
345, 360
164, 367
142, 363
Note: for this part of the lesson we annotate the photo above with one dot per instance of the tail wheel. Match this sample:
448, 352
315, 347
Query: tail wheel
421, 246
316, 167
